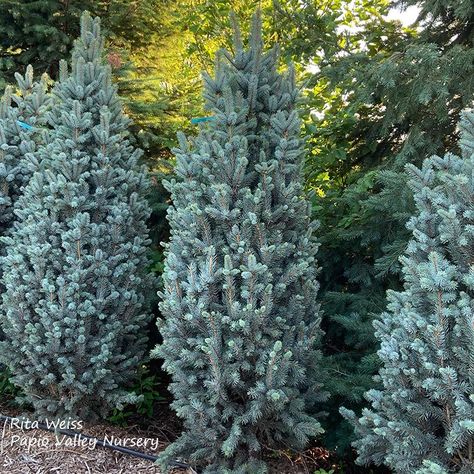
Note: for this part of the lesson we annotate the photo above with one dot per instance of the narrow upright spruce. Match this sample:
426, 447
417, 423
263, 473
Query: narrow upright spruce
22, 116
242, 325
74, 312
423, 417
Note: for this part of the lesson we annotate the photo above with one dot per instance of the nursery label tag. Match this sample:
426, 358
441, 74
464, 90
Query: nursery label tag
29, 436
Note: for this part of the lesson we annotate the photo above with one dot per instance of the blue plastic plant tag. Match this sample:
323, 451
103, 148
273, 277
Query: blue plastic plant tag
197, 120
24, 125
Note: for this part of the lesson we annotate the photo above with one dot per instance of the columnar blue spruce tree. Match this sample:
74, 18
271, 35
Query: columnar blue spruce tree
241, 329
423, 417
74, 311
22, 115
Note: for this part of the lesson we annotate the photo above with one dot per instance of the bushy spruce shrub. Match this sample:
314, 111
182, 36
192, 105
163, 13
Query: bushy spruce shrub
425, 410
241, 329
74, 311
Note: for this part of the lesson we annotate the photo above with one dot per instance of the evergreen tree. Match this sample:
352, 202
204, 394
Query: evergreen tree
22, 117
314, 36
41, 32
241, 329
74, 312
425, 410
37, 32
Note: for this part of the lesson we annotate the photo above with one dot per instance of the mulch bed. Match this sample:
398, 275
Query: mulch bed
47, 454
41, 452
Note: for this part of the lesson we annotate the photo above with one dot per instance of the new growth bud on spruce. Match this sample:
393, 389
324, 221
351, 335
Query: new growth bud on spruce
241, 331
74, 312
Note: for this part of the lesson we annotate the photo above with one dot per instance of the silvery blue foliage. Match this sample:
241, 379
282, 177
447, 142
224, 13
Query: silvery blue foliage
28, 106
431, 468
74, 311
425, 411
242, 324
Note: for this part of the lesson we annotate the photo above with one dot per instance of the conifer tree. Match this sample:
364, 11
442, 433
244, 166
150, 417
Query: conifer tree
42, 32
74, 311
241, 329
423, 417
22, 117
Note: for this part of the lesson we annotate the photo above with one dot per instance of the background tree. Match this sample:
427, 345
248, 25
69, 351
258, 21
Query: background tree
75, 270
425, 410
242, 326
41, 32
